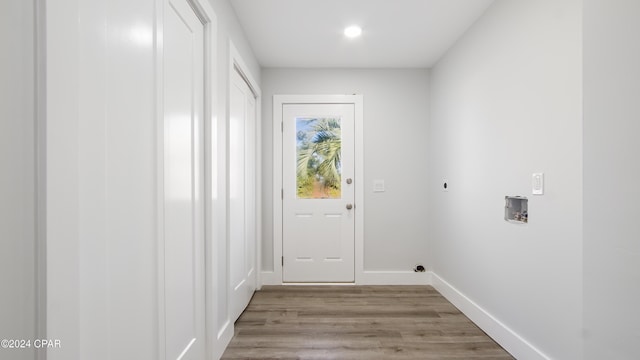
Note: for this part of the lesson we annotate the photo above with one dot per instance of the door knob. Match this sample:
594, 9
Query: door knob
349, 181
349, 206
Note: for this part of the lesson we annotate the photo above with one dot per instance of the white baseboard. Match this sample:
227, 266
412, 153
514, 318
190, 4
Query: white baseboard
393, 278
222, 340
368, 278
503, 335
270, 278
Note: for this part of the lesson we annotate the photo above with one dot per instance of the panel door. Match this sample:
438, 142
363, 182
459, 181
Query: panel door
318, 192
183, 182
242, 194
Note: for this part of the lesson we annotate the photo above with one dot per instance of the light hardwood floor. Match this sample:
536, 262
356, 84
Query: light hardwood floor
357, 322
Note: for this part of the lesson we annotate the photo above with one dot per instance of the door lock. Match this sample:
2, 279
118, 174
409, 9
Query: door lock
349, 206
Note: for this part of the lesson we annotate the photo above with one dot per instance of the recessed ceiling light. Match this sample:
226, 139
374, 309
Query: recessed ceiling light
353, 31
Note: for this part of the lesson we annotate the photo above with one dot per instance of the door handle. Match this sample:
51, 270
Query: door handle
349, 206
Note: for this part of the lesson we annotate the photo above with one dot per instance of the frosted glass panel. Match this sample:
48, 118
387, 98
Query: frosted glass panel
318, 153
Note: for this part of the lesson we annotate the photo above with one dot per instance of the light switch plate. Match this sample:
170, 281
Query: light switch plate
537, 184
378, 185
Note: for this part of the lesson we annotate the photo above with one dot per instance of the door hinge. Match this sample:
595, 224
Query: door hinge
282, 194
282, 127
282, 261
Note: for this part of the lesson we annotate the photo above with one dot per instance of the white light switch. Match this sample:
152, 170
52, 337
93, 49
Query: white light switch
537, 184
378, 185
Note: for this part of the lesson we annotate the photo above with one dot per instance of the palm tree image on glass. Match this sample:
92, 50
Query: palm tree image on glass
318, 150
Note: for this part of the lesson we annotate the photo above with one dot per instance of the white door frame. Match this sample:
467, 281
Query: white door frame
278, 102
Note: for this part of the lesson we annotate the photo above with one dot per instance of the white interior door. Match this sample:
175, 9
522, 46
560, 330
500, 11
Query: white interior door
183, 182
318, 192
242, 194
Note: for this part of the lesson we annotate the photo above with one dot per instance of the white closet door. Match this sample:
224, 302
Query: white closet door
242, 195
183, 182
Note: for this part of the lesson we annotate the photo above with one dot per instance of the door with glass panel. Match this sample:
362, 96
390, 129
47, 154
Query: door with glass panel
318, 192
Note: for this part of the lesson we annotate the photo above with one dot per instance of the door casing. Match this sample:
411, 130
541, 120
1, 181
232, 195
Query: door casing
278, 101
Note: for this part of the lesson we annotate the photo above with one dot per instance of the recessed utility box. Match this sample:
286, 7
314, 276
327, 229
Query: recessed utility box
516, 209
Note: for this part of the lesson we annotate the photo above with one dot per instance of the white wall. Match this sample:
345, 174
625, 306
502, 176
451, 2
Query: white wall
611, 173
395, 148
506, 102
17, 176
101, 158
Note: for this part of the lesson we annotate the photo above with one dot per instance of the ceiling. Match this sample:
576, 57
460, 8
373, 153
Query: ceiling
395, 33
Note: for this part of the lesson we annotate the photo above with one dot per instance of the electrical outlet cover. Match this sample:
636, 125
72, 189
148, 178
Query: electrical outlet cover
378, 185
537, 184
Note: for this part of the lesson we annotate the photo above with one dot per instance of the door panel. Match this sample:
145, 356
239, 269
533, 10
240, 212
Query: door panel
242, 194
319, 188
183, 182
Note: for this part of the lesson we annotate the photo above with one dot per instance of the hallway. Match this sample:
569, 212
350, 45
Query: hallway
150, 167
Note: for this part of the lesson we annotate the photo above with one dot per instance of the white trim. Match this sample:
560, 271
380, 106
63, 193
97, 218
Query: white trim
236, 62
395, 278
366, 278
515, 344
275, 277
270, 278
224, 337
359, 200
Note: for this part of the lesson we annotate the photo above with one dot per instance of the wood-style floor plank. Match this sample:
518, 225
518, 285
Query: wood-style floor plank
357, 322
